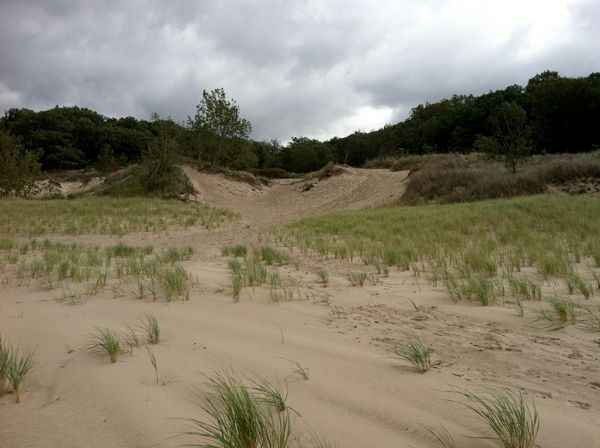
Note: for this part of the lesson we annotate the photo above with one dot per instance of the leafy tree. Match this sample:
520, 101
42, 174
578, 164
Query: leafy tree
303, 154
218, 127
158, 172
510, 142
19, 168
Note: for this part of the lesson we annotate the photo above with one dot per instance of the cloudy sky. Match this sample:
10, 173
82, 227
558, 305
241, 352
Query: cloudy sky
311, 68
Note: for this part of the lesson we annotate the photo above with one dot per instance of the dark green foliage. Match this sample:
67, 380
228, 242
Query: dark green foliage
555, 115
73, 137
218, 134
510, 142
303, 155
19, 168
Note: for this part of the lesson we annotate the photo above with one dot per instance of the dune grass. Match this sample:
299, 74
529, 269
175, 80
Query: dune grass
106, 216
106, 341
239, 416
514, 421
415, 351
15, 365
55, 264
477, 251
149, 325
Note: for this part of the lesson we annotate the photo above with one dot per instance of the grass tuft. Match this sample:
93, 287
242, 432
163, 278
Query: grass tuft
150, 326
514, 421
238, 418
414, 351
108, 341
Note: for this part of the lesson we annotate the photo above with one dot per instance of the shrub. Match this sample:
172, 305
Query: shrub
19, 168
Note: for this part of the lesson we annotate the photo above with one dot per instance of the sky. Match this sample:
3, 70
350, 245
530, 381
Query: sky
296, 68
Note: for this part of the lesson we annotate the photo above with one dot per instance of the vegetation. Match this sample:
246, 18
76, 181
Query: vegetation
153, 362
56, 265
19, 168
104, 216
150, 326
514, 421
416, 352
457, 178
15, 364
107, 341
551, 114
477, 251
240, 416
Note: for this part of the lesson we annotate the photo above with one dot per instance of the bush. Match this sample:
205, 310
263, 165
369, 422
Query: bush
19, 168
457, 178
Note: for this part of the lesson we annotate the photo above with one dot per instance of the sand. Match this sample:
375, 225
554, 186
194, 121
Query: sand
356, 395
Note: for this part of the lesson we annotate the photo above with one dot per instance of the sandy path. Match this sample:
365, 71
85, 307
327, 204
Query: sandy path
355, 394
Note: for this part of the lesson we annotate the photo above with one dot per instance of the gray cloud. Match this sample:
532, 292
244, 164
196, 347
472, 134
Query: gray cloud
313, 68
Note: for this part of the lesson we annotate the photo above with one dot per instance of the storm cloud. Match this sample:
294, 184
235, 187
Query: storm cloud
296, 68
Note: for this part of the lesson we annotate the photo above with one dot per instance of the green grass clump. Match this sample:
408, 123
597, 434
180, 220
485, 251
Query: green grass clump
20, 364
514, 421
108, 341
238, 250
15, 364
151, 328
239, 417
255, 273
272, 256
560, 311
576, 283
4, 365
357, 278
525, 289
323, 277
415, 351
174, 282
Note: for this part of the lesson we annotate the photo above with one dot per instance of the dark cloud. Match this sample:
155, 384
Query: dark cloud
314, 68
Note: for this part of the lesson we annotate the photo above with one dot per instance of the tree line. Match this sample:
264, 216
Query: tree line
551, 114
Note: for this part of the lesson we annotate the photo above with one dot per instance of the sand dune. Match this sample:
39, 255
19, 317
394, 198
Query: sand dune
355, 395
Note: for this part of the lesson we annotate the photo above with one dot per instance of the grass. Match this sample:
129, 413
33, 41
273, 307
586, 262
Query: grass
576, 283
20, 364
478, 250
357, 278
238, 417
238, 250
153, 362
107, 341
559, 311
442, 436
53, 264
4, 365
15, 365
272, 256
415, 351
514, 421
106, 216
151, 328
323, 277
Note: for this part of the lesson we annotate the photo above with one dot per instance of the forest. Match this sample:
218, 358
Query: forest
551, 114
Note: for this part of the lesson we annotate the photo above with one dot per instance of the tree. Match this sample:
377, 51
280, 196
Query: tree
19, 168
218, 127
510, 142
158, 172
